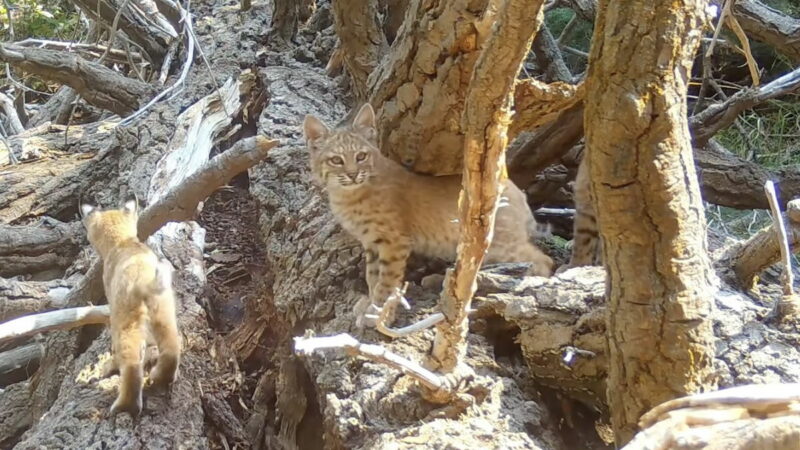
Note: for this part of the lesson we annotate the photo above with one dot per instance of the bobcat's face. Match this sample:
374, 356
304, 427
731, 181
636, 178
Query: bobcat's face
342, 158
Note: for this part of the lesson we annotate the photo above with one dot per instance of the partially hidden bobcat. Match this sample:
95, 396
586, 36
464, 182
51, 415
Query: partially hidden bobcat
586, 244
139, 291
393, 211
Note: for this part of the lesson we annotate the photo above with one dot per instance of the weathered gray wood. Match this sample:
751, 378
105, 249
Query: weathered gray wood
31, 249
18, 298
97, 84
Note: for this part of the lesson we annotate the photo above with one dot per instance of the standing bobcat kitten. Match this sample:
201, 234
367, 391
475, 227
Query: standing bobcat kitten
393, 211
586, 250
139, 291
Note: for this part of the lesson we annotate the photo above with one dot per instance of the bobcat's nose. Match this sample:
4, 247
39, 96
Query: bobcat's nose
353, 176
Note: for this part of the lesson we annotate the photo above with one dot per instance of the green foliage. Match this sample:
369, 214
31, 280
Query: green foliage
578, 38
769, 135
48, 19
790, 7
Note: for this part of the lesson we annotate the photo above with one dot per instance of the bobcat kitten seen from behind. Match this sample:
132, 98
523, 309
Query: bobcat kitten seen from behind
139, 291
393, 211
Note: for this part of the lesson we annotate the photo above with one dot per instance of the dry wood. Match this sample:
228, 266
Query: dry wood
537, 103
146, 27
748, 259
19, 298
97, 84
32, 249
14, 125
307, 345
54, 320
23, 359
548, 56
284, 21
778, 227
718, 116
770, 26
94, 51
362, 42
486, 120
420, 131
743, 418
649, 208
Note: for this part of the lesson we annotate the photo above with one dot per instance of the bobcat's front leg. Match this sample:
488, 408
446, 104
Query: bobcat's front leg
392, 259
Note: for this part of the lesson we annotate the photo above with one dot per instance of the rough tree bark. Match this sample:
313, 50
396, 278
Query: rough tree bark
649, 207
421, 86
361, 41
486, 119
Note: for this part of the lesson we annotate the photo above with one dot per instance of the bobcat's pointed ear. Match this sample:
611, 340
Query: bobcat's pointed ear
314, 129
86, 209
130, 207
364, 122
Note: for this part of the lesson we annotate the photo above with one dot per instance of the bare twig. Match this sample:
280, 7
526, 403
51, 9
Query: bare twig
179, 82
54, 320
748, 54
398, 298
719, 115
789, 305
780, 230
306, 345
112, 34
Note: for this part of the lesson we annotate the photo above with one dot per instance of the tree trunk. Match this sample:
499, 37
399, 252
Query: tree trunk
361, 39
421, 86
649, 206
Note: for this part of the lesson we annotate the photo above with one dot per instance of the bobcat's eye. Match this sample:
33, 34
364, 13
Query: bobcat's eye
336, 161
361, 156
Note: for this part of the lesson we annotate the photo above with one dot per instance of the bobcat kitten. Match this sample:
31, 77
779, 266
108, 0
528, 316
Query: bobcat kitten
586, 245
393, 211
139, 291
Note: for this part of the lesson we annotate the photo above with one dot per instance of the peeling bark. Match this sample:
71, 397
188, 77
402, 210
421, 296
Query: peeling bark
648, 206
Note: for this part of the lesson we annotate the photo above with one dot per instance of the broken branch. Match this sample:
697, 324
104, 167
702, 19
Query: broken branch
751, 257
486, 120
97, 84
306, 345
54, 320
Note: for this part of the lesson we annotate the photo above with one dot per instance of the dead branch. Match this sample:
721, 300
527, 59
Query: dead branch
733, 24
306, 345
728, 180
380, 314
19, 298
720, 115
548, 56
62, 319
770, 26
787, 277
25, 358
32, 249
361, 41
12, 119
546, 146
537, 103
181, 202
97, 84
93, 51
789, 304
191, 42
486, 120
743, 417
147, 28
750, 258
284, 21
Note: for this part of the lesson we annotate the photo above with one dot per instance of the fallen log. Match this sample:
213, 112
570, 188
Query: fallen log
49, 246
19, 298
